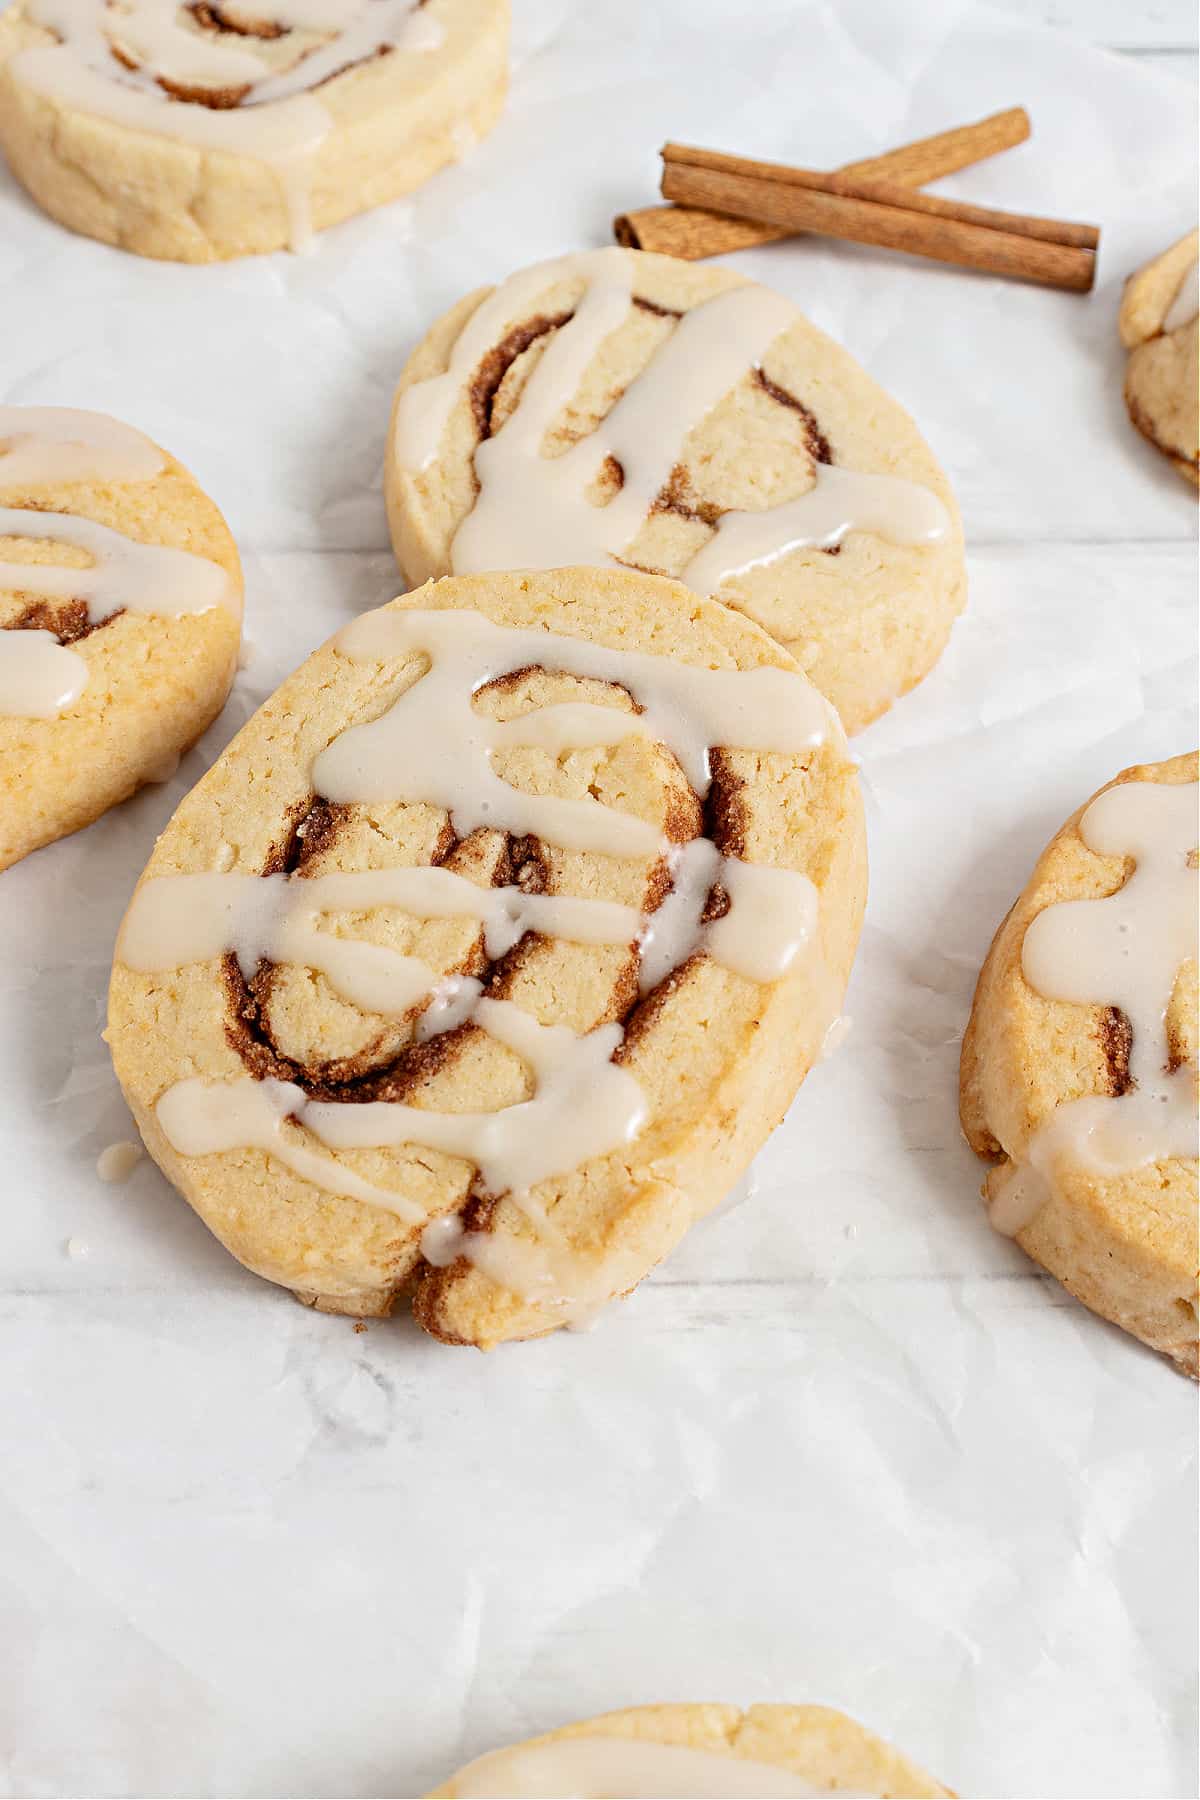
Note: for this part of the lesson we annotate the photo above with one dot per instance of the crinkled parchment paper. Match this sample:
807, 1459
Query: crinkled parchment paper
848, 1446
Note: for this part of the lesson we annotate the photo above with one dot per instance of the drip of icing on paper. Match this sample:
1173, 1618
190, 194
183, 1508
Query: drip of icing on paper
116, 1162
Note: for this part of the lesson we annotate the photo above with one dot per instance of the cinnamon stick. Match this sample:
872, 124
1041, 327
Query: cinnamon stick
856, 186
1056, 253
693, 232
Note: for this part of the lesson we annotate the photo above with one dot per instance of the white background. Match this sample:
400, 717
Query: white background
848, 1446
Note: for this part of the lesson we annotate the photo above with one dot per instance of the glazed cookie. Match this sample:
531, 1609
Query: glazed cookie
1079, 1063
619, 406
493, 947
765, 1751
120, 618
1161, 331
203, 131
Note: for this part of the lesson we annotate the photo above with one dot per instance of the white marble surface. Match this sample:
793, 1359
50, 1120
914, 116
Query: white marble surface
847, 1446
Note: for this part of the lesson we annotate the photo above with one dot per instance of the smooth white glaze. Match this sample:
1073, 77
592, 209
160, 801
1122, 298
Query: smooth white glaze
40, 677
49, 446
1123, 951
535, 511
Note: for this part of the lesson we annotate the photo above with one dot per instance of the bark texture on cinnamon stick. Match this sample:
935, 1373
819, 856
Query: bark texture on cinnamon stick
1058, 253
695, 232
856, 186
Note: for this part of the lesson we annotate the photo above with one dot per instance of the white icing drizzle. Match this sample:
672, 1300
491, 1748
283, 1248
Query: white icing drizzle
772, 915
1186, 304
1123, 951
143, 578
583, 1105
40, 677
533, 511
688, 708
278, 119
200, 1117
627, 1769
840, 501
51, 446
45, 446
432, 747
179, 919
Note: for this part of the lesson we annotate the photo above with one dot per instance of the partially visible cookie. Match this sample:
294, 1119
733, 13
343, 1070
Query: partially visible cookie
120, 618
1161, 330
1079, 1063
648, 1750
493, 947
214, 130
622, 407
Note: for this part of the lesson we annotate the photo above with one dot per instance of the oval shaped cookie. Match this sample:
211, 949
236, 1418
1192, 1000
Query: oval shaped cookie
694, 1750
1079, 1063
120, 618
619, 406
1161, 330
215, 130
493, 947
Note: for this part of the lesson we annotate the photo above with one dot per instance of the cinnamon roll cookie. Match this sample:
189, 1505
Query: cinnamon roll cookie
1160, 329
205, 130
1079, 1063
120, 618
765, 1751
622, 407
494, 946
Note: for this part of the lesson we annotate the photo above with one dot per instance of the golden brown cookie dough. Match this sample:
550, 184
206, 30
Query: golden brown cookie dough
1160, 329
760, 411
708, 1749
710, 1058
1123, 1239
140, 680
210, 131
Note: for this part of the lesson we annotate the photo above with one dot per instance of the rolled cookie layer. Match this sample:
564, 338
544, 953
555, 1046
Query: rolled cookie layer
120, 618
489, 998
618, 407
1079, 1063
206, 131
